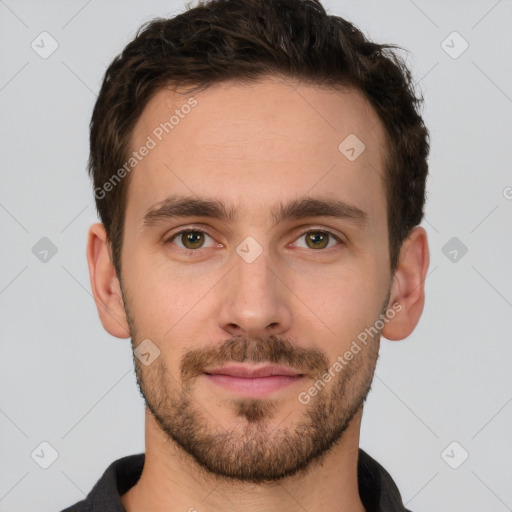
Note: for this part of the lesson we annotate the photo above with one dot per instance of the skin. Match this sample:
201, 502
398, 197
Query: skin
253, 146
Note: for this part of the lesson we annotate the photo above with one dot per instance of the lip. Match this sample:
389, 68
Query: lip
248, 372
253, 382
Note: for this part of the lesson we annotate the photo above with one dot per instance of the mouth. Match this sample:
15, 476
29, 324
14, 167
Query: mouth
253, 382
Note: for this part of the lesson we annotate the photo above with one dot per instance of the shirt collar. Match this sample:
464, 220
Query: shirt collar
377, 489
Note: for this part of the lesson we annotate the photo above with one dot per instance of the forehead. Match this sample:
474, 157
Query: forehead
249, 144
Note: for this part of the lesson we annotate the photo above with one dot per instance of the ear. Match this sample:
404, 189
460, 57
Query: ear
105, 284
407, 291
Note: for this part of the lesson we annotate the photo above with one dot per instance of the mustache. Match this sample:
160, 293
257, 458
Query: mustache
241, 349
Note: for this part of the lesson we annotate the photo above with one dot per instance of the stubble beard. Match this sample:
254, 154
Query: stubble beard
251, 450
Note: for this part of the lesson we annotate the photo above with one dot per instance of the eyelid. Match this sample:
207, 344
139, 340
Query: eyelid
313, 229
187, 229
320, 229
308, 229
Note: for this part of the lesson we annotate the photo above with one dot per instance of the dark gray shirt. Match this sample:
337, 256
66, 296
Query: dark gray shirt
377, 489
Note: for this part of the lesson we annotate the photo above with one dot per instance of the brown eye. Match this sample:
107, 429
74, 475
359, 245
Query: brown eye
192, 239
189, 239
317, 239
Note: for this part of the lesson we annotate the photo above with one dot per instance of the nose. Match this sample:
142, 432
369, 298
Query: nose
255, 299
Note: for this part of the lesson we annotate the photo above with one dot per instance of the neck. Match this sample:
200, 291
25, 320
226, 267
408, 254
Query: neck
171, 481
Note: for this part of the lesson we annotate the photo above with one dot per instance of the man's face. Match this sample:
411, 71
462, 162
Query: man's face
260, 288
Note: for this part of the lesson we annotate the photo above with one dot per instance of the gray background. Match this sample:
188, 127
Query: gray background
65, 381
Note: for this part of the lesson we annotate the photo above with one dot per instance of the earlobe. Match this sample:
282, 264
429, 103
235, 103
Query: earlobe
105, 284
408, 290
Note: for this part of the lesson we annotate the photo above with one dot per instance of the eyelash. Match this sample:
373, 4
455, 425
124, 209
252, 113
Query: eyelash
192, 230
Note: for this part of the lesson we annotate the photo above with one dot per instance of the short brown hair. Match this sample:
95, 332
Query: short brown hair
244, 40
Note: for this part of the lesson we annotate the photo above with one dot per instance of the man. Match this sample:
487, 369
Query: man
259, 169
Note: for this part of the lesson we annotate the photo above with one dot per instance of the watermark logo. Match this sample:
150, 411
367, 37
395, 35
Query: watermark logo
249, 249
151, 143
454, 455
44, 455
146, 352
454, 45
351, 147
44, 45
343, 360
44, 250
454, 249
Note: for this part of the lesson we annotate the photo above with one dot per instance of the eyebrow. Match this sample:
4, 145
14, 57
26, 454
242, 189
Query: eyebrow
189, 206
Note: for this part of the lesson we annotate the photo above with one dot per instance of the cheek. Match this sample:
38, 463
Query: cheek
165, 296
344, 302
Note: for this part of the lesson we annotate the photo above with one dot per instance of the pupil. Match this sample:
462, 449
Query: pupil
193, 237
318, 237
